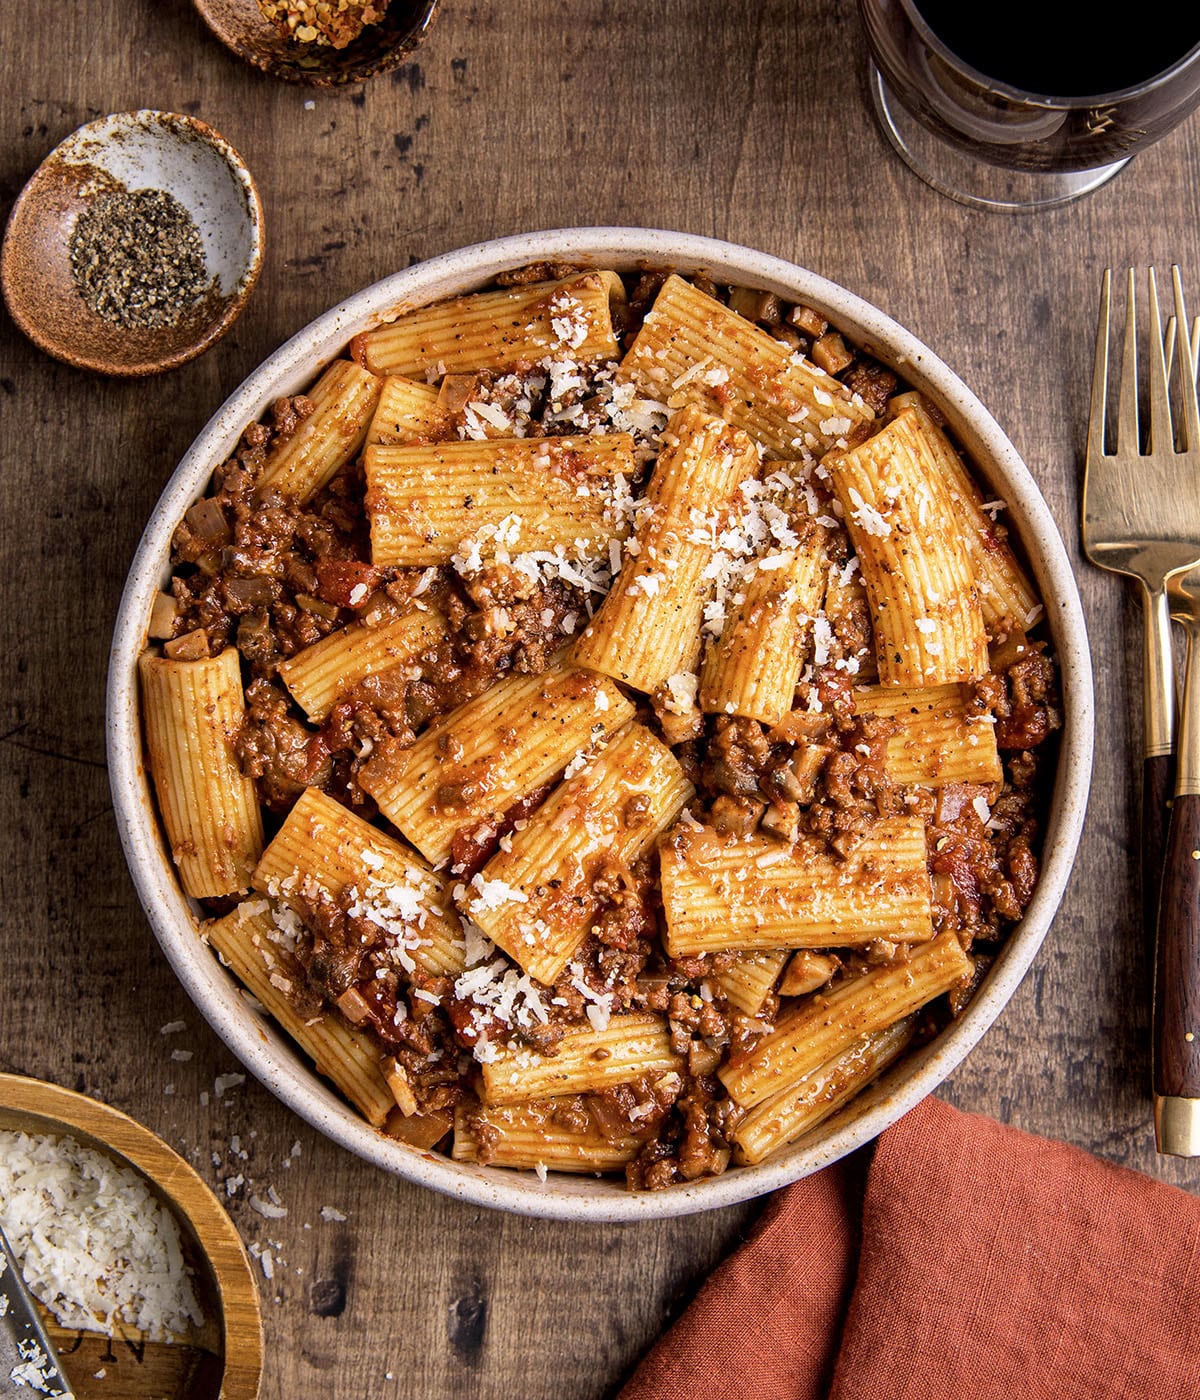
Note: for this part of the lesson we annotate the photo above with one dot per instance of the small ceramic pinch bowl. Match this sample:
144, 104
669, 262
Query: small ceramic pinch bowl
243, 28
126, 153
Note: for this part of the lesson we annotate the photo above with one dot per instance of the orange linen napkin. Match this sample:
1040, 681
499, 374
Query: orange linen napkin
974, 1261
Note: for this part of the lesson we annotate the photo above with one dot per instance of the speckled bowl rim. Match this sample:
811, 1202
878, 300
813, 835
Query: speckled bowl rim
262, 1049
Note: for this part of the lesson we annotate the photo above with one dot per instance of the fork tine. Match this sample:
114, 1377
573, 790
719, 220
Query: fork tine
1169, 344
1191, 413
1160, 402
1095, 442
1128, 437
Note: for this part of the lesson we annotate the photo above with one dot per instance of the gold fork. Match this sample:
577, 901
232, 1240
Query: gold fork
1141, 517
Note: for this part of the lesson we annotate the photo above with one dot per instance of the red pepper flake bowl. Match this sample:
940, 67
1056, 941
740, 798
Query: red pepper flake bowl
243, 27
135, 245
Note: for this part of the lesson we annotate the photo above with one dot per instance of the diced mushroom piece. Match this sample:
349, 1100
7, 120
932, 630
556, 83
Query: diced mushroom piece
163, 612
676, 710
805, 768
206, 520
702, 1058
192, 646
797, 726
811, 322
830, 353
353, 1006
398, 1082
755, 305
805, 972
457, 391
421, 1130
782, 821
736, 816
316, 605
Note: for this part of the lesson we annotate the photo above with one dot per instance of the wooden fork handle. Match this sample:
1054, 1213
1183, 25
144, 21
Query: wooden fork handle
1158, 782
1177, 986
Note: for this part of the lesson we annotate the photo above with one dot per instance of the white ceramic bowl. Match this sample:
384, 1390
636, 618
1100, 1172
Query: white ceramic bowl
263, 1050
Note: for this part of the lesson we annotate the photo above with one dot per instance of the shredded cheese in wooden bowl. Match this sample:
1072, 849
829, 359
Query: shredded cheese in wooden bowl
94, 1242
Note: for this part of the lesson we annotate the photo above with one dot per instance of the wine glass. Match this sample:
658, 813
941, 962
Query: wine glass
1012, 107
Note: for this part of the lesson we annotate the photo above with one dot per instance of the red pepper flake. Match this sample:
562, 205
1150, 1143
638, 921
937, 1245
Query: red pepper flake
334, 23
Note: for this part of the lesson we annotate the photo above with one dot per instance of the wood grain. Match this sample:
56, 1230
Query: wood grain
747, 120
1158, 784
1176, 982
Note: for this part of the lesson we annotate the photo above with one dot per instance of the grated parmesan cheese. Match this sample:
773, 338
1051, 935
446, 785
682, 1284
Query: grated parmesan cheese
867, 518
93, 1241
35, 1370
681, 691
494, 894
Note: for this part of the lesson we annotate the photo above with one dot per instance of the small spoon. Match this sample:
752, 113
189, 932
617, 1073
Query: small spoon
27, 1356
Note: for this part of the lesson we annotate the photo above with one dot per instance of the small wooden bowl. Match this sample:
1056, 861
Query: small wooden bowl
241, 26
131, 151
224, 1358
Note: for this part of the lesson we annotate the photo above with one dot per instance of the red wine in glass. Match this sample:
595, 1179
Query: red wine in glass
1021, 106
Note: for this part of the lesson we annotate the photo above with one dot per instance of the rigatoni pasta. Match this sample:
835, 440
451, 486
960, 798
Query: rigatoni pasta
492, 330
753, 667
750, 977
348, 1056
408, 411
531, 1135
320, 673
491, 752
940, 738
428, 503
192, 712
622, 1050
342, 405
830, 1023
538, 898
924, 596
648, 627
694, 350
322, 851
755, 892
796, 1110
618, 716
1006, 597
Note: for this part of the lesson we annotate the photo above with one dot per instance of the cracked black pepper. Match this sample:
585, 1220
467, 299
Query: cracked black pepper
137, 258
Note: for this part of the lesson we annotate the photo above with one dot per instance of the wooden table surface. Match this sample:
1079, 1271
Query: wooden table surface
747, 120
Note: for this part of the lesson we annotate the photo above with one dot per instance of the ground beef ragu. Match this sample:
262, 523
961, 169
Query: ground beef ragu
260, 572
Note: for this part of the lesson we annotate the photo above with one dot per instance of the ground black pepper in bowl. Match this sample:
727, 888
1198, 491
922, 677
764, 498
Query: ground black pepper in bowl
134, 245
138, 259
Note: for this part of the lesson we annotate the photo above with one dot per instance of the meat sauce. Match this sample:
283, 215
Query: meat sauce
258, 571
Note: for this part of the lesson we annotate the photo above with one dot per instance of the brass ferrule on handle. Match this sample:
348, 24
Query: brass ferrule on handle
1177, 1125
1158, 676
